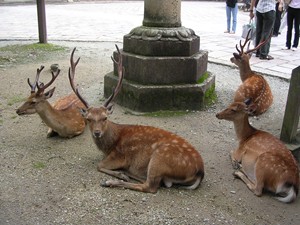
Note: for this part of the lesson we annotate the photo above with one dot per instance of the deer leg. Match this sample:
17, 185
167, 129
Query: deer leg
111, 163
117, 174
148, 186
253, 187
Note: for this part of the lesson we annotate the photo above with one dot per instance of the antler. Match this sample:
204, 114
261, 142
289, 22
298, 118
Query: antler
41, 87
121, 76
37, 77
71, 78
248, 39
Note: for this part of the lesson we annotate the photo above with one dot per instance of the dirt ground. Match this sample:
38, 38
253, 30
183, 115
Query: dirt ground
55, 181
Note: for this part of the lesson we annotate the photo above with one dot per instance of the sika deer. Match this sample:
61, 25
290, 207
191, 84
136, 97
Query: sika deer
261, 161
254, 86
144, 153
63, 118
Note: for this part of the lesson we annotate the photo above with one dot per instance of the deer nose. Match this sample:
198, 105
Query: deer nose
97, 134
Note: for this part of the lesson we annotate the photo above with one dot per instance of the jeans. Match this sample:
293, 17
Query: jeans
293, 15
264, 25
231, 11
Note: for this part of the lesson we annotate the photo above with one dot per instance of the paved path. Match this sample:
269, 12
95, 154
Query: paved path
110, 21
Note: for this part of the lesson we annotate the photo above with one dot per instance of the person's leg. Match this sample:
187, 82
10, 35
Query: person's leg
228, 16
296, 27
289, 28
268, 24
277, 21
259, 25
234, 17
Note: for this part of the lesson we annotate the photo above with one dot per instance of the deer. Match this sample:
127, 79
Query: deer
261, 160
149, 155
254, 86
63, 117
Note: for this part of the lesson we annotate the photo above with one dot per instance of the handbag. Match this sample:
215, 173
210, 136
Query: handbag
250, 26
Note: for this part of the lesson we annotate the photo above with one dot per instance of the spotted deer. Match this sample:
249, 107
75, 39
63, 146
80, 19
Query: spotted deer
261, 160
254, 86
147, 154
63, 117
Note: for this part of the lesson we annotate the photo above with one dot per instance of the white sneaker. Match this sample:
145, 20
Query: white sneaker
294, 49
285, 48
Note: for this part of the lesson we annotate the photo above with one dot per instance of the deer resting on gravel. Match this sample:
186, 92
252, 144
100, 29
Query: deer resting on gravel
261, 160
63, 118
147, 154
254, 86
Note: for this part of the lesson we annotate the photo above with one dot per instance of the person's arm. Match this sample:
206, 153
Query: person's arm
280, 6
251, 8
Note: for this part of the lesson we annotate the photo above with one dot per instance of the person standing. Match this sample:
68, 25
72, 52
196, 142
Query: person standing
277, 20
293, 17
265, 19
231, 10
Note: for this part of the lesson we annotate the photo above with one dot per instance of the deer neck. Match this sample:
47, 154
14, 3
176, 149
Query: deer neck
108, 141
243, 129
245, 72
49, 115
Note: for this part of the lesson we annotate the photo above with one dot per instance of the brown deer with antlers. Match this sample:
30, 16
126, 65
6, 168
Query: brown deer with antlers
261, 160
63, 118
147, 154
254, 86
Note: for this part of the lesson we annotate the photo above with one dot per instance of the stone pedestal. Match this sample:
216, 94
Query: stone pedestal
164, 68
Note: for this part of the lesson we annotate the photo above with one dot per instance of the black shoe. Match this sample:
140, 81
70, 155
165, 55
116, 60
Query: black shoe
266, 57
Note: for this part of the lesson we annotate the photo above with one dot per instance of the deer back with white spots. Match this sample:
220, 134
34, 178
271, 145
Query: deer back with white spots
149, 155
63, 117
254, 86
261, 160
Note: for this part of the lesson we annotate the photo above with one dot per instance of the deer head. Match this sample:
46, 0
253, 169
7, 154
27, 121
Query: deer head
38, 93
97, 117
237, 110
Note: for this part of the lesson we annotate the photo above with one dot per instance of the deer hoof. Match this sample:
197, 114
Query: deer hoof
104, 184
236, 165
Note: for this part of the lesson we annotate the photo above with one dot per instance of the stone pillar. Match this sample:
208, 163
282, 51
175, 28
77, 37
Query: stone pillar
164, 69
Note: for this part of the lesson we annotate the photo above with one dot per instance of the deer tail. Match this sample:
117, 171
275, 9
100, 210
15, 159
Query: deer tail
290, 192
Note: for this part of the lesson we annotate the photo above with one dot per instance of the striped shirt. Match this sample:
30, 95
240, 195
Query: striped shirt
264, 6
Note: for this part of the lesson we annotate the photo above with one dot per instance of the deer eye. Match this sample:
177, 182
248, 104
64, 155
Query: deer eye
232, 110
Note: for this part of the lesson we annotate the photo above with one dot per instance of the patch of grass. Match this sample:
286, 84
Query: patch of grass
14, 100
36, 47
30, 52
1, 122
203, 78
210, 96
39, 165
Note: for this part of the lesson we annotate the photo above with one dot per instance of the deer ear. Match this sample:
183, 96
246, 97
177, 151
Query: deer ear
251, 106
237, 56
110, 108
248, 101
49, 93
83, 112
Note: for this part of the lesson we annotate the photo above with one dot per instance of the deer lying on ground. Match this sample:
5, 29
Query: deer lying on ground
254, 86
63, 118
261, 160
147, 154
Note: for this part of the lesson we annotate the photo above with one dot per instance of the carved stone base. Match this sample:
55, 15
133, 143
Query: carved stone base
164, 70
161, 41
150, 98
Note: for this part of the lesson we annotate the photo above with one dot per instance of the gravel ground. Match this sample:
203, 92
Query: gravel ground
55, 181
